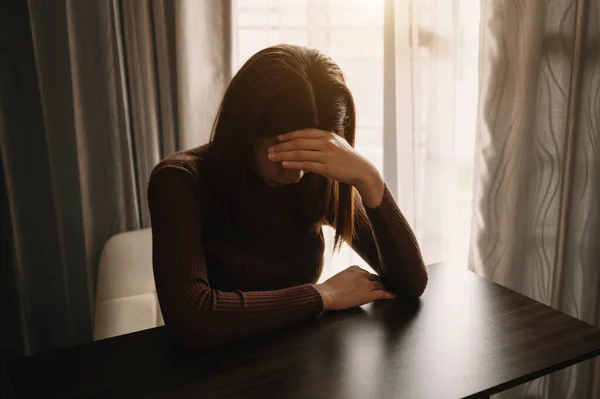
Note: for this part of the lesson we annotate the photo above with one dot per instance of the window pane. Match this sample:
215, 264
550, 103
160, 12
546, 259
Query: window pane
296, 18
366, 83
294, 36
249, 42
251, 19
356, 17
355, 43
252, 3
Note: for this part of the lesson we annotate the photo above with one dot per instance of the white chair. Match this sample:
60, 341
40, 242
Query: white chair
125, 293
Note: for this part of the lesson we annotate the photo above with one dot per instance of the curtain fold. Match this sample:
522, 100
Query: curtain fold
203, 66
536, 218
90, 100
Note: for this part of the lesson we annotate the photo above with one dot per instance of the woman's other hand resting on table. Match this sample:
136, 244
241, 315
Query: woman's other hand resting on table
350, 288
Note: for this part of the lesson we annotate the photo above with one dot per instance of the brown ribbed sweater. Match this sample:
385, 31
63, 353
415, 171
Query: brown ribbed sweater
216, 284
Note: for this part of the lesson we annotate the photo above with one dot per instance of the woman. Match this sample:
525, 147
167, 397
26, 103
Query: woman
237, 240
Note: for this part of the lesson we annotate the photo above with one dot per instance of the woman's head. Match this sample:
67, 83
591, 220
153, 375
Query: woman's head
282, 89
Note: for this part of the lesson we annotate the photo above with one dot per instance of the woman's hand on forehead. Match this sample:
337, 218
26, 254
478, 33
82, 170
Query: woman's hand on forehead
330, 155
322, 152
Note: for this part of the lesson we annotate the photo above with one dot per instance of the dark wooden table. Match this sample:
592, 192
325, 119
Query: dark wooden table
465, 337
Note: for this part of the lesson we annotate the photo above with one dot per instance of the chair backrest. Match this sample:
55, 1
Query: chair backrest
125, 293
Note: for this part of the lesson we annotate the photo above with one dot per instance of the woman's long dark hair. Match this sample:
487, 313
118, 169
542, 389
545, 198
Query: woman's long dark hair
278, 90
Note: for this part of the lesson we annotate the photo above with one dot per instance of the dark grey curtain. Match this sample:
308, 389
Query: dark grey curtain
92, 95
537, 213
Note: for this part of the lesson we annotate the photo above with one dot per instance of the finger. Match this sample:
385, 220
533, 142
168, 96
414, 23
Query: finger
373, 277
297, 155
369, 275
304, 133
307, 166
299, 144
382, 294
376, 286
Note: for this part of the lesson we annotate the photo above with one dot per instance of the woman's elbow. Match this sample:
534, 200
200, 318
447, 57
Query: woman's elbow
190, 320
419, 281
408, 285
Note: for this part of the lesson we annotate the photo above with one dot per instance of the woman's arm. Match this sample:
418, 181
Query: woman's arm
383, 237
201, 316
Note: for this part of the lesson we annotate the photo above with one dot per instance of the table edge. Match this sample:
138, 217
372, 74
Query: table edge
536, 374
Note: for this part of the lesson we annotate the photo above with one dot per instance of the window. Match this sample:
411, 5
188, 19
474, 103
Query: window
422, 124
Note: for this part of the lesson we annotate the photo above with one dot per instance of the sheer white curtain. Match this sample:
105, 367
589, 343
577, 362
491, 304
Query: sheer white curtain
412, 67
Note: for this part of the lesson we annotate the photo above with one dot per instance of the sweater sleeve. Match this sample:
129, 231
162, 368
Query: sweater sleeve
198, 315
384, 239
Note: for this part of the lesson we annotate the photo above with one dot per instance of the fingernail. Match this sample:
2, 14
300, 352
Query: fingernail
272, 155
281, 137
